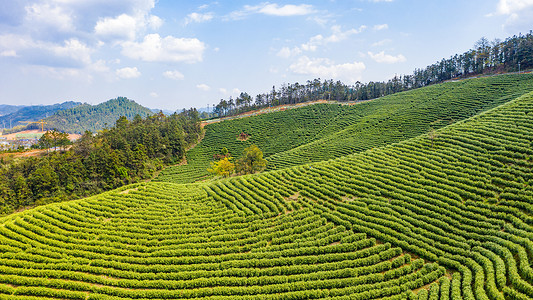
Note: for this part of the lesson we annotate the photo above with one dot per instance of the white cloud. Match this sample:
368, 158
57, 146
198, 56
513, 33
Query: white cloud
53, 19
508, 7
233, 92
75, 50
286, 52
58, 38
168, 49
325, 68
381, 57
519, 14
273, 9
176, 75
381, 27
125, 27
99, 66
128, 73
121, 27
198, 18
322, 19
154, 22
203, 87
154, 95
72, 53
381, 1
319, 40
15, 42
381, 43
337, 35
8, 53
286, 10
56, 73
44, 14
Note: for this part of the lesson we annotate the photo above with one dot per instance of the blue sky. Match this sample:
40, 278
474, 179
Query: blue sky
176, 54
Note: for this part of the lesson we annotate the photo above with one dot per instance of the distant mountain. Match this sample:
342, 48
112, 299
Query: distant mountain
205, 109
95, 117
165, 111
33, 113
6, 109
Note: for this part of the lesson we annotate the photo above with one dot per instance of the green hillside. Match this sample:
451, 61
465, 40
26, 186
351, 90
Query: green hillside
325, 131
447, 218
33, 113
6, 109
95, 117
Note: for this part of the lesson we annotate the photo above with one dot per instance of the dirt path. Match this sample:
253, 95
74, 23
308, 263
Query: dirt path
13, 136
263, 111
36, 152
279, 108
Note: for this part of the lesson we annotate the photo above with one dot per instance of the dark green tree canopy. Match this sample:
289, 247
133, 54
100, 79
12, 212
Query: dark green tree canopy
125, 153
251, 161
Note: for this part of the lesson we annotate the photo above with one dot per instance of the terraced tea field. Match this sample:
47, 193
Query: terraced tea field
442, 218
166, 241
325, 131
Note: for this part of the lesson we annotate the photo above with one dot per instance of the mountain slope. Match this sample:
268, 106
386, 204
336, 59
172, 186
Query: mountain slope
349, 228
97, 117
6, 109
34, 113
325, 131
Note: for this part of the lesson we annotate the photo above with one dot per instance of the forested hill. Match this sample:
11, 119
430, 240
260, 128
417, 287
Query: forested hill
95, 117
125, 152
34, 113
6, 109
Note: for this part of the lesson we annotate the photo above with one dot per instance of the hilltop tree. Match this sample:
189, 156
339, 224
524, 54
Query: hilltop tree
54, 138
432, 135
251, 161
223, 167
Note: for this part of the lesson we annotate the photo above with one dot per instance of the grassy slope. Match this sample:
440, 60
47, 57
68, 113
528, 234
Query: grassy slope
326, 131
303, 232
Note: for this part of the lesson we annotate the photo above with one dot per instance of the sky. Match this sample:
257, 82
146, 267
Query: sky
174, 54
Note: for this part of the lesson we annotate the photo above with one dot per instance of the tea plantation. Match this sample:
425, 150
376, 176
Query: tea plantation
446, 216
325, 131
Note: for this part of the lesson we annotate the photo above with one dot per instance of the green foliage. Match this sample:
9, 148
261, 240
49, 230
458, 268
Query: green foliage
309, 231
223, 167
33, 113
224, 151
87, 117
126, 153
6, 109
199, 248
325, 131
392, 222
251, 161
54, 139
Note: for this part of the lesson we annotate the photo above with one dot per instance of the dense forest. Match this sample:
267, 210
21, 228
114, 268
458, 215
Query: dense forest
6, 109
125, 153
95, 117
32, 113
512, 55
